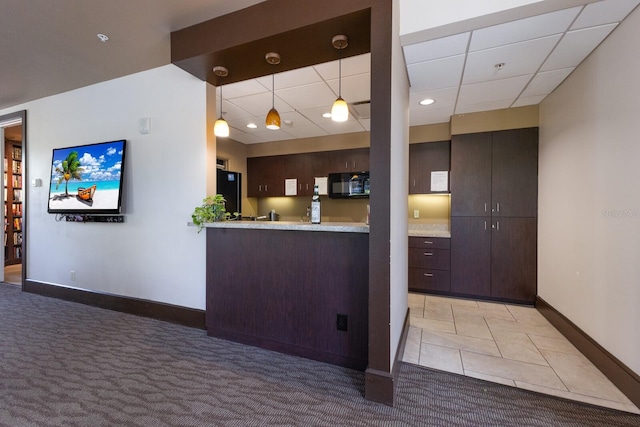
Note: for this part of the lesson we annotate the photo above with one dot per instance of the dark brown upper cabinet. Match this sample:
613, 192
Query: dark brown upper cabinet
495, 173
425, 158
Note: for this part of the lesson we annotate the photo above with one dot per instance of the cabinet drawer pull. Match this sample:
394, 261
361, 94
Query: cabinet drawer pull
428, 253
428, 274
426, 242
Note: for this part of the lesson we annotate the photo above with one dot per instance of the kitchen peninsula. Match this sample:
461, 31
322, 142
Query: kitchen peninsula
292, 287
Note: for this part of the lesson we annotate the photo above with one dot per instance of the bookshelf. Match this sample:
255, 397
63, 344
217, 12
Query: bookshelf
13, 198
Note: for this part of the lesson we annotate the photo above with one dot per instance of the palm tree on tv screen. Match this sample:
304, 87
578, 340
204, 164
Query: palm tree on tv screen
70, 169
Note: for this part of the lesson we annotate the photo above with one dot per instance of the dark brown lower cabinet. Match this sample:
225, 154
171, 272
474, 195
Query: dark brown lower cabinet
429, 264
513, 259
304, 293
494, 258
471, 255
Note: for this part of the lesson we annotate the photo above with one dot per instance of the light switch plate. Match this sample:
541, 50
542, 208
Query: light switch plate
416, 213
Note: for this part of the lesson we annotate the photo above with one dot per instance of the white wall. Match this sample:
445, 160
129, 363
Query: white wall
153, 255
399, 188
589, 199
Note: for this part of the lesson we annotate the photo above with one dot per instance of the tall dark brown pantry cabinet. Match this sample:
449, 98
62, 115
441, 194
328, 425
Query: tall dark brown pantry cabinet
494, 193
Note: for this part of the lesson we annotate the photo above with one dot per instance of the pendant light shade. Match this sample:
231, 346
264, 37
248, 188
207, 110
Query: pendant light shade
273, 117
340, 109
221, 127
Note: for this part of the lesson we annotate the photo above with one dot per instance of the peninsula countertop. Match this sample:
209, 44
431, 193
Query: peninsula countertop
336, 227
414, 229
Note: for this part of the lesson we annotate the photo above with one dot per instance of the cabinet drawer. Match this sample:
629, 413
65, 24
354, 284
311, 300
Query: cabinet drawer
429, 242
429, 280
438, 259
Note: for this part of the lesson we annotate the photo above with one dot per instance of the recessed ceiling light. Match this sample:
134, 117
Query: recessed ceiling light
288, 122
252, 126
103, 38
427, 101
327, 115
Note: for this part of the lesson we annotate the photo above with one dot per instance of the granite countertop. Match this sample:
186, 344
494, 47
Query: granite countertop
429, 230
336, 227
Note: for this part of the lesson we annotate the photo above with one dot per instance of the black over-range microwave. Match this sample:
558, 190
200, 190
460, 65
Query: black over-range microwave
348, 185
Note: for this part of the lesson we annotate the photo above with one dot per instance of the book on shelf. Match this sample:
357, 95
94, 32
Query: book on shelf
17, 195
16, 152
16, 166
17, 181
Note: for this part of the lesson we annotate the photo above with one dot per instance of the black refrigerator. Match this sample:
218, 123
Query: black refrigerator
229, 184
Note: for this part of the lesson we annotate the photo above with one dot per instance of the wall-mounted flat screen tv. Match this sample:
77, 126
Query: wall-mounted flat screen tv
87, 179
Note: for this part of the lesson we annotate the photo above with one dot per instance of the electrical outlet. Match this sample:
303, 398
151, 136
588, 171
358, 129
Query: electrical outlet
73, 275
416, 213
342, 322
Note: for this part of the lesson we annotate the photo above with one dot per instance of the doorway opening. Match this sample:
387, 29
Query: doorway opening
12, 150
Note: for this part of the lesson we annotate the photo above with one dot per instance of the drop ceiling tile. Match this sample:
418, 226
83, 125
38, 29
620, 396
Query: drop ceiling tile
429, 117
444, 98
315, 114
436, 74
604, 12
544, 83
576, 46
230, 110
304, 131
528, 100
354, 88
436, 49
350, 126
523, 29
272, 135
366, 124
244, 138
259, 104
307, 96
242, 123
484, 106
350, 66
495, 90
244, 88
519, 59
287, 79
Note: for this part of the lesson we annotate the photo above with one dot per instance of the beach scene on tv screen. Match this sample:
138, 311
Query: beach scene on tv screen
86, 177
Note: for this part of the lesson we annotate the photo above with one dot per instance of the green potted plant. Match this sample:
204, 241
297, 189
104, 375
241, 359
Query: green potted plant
212, 210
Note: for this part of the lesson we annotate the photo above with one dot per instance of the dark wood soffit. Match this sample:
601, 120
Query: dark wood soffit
298, 48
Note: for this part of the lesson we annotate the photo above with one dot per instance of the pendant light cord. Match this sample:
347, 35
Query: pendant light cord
340, 75
273, 91
220, 101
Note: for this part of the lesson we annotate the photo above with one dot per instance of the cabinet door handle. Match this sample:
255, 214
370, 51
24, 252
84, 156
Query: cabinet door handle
497, 207
485, 225
307, 186
428, 275
414, 182
428, 254
426, 242
299, 187
498, 225
485, 207
354, 165
266, 188
260, 187
346, 165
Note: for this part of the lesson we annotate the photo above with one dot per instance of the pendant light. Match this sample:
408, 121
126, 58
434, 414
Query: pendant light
221, 127
340, 109
273, 117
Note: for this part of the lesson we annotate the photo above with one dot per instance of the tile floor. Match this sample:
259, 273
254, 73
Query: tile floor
507, 344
